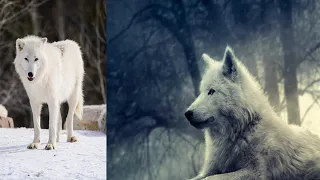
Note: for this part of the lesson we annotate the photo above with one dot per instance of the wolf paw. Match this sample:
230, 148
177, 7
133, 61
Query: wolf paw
50, 146
72, 139
33, 146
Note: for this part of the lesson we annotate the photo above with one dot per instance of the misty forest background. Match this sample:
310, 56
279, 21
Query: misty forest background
154, 70
82, 21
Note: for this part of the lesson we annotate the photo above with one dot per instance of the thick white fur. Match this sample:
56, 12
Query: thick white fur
3, 111
245, 138
58, 77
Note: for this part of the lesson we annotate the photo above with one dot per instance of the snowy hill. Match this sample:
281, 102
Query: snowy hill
82, 160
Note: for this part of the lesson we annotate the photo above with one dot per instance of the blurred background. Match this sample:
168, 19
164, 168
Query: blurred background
154, 70
82, 21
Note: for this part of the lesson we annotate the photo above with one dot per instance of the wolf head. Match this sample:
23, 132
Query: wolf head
30, 60
223, 104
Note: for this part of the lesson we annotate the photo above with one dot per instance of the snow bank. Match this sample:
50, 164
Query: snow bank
82, 160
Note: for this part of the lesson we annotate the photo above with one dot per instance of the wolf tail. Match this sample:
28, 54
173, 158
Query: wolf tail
79, 108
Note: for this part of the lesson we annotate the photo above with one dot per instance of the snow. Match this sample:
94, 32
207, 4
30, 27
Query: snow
85, 159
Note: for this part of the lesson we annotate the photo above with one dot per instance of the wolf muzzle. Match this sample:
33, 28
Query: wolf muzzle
198, 125
30, 76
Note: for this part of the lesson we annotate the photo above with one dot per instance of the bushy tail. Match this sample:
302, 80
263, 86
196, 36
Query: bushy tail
79, 108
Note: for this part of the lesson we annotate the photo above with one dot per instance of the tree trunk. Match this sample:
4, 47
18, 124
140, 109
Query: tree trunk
34, 19
182, 32
271, 81
269, 58
184, 36
98, 60
60, 19
81, 23
214, 17
290, 61
193, 68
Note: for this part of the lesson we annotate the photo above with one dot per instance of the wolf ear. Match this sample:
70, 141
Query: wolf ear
207, 59
229, 68
44, 40
19, 44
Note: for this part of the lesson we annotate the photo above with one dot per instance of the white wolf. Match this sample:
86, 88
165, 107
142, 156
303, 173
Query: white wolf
51, 73
245, 138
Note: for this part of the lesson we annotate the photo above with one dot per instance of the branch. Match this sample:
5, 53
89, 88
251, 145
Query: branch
135, 17
307, 111
301, 92
310, 106
309, 53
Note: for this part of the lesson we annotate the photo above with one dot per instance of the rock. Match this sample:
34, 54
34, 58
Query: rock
6, 122
94, 118
3, 111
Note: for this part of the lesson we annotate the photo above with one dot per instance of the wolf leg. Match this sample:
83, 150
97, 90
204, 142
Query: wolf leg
72, 102
54, 111
59, 127
36, 111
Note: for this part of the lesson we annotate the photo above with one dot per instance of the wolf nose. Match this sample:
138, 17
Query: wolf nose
188, 115
30, 74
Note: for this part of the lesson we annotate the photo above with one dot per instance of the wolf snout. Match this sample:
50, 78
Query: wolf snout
188, 115
30, 74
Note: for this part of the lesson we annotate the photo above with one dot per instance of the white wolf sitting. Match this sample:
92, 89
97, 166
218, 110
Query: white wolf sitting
245, 138
51, 73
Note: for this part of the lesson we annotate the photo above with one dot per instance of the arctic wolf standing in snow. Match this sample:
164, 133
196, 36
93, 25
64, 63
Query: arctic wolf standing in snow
51, 73
245, 139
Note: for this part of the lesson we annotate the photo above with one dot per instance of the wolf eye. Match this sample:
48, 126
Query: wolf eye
36, 59
26, 59
211, 91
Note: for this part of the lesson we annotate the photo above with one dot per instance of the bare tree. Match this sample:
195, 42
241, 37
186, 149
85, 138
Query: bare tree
35, 20
290, 61
60, 19
270, 59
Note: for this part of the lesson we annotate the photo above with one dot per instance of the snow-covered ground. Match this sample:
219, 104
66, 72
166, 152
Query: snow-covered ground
85, 159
